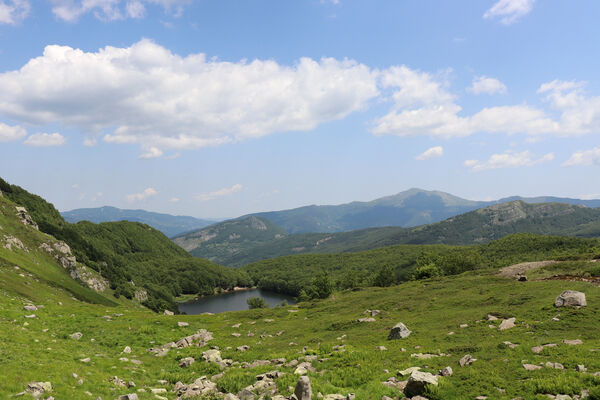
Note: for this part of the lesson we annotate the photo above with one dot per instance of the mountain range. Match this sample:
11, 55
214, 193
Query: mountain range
288, 232
170, 225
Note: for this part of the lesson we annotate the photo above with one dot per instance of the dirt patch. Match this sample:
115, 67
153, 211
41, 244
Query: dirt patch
514, 271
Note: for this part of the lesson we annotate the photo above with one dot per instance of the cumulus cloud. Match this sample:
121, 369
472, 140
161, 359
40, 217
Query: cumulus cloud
149, 192
508, 159
13, 12
152, 152
433, 152
584, 157
111, 10
509, 11
147, 95
45, 140
9, 133
219, 193
434, 112
485, 85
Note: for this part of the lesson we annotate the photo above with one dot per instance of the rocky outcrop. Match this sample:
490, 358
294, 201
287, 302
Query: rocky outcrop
25, 218
11, 241
570, 298
399, 331
200, 338
141, 295
507, 324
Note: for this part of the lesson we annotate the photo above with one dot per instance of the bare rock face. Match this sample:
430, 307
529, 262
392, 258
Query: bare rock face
303, 390
418, 381
399, 331
570, 298
11, 241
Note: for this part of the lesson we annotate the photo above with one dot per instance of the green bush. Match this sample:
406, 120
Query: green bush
256, 302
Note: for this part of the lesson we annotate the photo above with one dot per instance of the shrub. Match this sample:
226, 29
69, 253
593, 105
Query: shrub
256, 302
427, 271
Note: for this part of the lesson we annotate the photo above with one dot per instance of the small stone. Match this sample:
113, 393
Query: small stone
127, 350
580, 368
466, 360
531, 367
182, 324
303, 390
572, 342
446, 371
85, 360
76, 335
167, 312
418, 381
186, 362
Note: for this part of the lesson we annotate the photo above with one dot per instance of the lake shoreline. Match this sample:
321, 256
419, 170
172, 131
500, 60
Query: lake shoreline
231, 300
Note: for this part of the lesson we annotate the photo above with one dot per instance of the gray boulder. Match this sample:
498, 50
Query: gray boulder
399, 331
418, 381
303, 390
570, 298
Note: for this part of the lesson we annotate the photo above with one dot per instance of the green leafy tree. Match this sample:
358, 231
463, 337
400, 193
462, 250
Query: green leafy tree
385, 277
256, 302
427, 271
323, 286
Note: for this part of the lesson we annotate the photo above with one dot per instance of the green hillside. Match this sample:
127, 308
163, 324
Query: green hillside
479, 226
391, 265
223, 240
132, 257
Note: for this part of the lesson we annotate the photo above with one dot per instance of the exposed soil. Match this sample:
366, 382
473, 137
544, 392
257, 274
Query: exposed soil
514, 271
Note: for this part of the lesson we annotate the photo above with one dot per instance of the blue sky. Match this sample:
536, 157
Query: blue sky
217, 108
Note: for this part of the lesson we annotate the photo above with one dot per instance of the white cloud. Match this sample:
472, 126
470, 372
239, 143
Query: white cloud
509, 11
174, 200
484, 84
584, 157
13, 12
112, 10
149, 192
219, 193
9, 133
434, 112
152, 152
508, 159
147, 95
433, 152
45, 140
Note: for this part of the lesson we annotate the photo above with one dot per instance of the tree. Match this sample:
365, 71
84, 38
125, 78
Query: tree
323, 286
256, 302
385, 277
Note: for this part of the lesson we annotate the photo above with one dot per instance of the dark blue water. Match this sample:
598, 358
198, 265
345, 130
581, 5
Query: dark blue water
234, 301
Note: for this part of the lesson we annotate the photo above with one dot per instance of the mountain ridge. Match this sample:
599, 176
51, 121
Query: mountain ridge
170, 225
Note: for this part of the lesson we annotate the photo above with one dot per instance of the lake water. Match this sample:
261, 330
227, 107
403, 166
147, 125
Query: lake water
234, 301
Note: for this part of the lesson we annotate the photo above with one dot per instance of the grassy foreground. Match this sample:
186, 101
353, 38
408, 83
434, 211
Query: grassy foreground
40, 348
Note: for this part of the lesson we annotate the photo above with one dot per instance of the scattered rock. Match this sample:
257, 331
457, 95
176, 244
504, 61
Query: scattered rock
463, 326
368, 319
168, 312
186, 362
538, 349
507, 324
408, 371
37, 389
30, 307
531, 367
466, 360
572, 342
303, 390
418, 381
243, 348
182, 324
446, 371
76, 335
399, 331
580, 368
381, 348
570, 298
130, 396
509, 344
